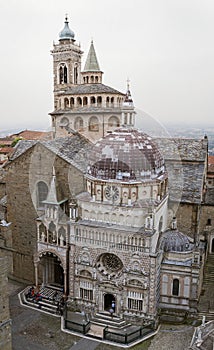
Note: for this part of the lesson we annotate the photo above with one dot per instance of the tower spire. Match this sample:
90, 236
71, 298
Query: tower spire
91, 63
128, 99
92, 73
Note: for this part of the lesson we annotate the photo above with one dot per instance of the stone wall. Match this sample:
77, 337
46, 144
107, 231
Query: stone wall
5, 322
187, 219
23, 174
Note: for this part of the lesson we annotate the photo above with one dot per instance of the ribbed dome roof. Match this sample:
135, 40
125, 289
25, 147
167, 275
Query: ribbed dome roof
66, 33
127, 155
175, 241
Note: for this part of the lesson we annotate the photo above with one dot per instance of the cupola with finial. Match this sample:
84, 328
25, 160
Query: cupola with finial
128, 113
66, 33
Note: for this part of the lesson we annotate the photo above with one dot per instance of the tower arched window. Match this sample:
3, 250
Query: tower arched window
93, 100
79, 101
72, 102
85, 100
175, 287
99, 100
42, 192
63, 74
66, 103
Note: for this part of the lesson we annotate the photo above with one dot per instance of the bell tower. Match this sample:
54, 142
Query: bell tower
66, 63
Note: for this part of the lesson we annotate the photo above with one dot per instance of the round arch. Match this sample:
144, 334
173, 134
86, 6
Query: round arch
113, 122
93, 124
50, 269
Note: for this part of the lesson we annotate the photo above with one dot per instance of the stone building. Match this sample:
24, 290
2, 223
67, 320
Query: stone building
93, 210
81, 101
5, 321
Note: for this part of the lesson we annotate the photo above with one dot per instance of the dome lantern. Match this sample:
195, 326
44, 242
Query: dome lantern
66, 33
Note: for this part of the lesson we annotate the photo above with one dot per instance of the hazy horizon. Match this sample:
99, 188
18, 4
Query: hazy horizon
164, 47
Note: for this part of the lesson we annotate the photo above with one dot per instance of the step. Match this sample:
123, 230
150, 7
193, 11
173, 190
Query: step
96, 331
41, 304
106, 316
106, 320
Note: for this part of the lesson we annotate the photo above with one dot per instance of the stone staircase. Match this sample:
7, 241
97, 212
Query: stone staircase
104, 319
206, 301
48, 302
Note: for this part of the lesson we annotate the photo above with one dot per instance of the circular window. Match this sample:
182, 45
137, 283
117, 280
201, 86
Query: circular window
109, 264
112, 192
112, 262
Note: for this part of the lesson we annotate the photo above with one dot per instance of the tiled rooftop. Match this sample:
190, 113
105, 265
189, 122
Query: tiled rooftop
33, 135
184, 159
90, 89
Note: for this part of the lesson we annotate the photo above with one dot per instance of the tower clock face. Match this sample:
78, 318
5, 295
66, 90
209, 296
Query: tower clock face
112, 193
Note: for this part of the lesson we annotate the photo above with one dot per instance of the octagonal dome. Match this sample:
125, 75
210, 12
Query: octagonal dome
176, 241
126, 155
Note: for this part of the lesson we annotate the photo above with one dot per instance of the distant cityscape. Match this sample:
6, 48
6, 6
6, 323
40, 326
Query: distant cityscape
194, 132
174, 130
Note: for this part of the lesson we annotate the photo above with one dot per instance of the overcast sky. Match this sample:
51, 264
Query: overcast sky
165, 47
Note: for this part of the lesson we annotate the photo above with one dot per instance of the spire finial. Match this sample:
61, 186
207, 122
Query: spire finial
128, 99
128, 81
66, 17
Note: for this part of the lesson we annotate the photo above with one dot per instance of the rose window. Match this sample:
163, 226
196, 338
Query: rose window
109, 265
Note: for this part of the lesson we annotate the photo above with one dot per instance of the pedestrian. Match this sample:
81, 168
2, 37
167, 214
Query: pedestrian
38, 297
113, 305
111, 312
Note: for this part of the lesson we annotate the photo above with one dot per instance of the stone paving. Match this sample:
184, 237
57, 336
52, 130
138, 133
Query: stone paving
34, 330
85, 344
172, 338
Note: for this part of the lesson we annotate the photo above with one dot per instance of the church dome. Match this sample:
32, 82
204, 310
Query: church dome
175, 241
126, 155
66, 33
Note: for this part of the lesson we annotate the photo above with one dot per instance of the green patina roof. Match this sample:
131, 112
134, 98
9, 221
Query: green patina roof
66, 33
91, 63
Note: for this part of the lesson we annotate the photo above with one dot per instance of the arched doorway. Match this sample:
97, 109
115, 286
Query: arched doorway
50, 270
109, 302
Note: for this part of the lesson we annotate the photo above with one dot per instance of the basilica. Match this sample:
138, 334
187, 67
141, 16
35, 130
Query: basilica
105, 211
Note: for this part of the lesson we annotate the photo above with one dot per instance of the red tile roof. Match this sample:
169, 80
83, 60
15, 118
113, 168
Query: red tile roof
33, 135
6, 150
